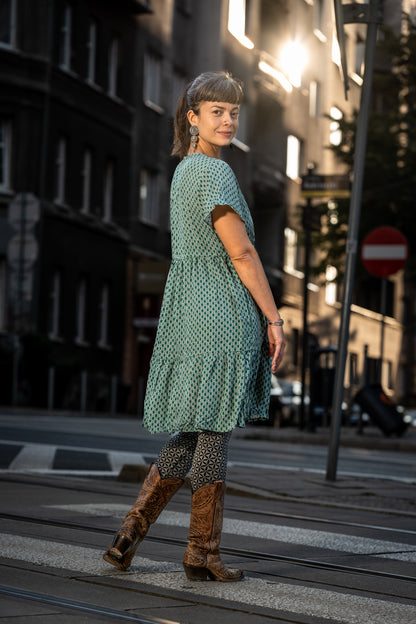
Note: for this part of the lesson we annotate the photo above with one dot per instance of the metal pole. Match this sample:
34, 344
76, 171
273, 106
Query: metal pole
305, 312
83, 398
113, 394
21, 265
351, 246
305, 351
18, 305
15, 368
51, 387
360, 427
383, 314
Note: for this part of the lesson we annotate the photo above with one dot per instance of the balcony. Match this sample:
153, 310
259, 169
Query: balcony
293, 292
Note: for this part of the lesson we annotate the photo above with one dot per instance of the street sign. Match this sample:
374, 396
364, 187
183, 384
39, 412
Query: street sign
384, 251
314, 185
24, 211
22, 251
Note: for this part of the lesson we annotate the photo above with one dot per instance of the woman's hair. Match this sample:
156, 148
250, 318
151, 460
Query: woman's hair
207, 87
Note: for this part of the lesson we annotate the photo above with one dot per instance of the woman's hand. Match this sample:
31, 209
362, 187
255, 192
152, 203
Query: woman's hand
276, 345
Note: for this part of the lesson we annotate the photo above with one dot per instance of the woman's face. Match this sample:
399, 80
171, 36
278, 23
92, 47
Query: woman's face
217, 123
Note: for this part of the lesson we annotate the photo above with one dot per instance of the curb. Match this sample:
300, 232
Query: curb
348, 438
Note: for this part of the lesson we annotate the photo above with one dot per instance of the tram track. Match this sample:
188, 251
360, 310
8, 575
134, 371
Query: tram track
237, 552
242, 510
74, 605
114, 614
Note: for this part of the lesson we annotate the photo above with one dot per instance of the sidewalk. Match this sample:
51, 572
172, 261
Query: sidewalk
371, 437
358, 493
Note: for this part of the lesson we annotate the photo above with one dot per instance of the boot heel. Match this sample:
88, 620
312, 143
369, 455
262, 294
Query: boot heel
153, 497
196, 574
122, 544
121, 559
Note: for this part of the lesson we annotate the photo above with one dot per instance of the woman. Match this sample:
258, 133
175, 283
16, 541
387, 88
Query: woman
219, 326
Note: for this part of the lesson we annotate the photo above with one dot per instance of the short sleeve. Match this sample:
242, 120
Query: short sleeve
220, 188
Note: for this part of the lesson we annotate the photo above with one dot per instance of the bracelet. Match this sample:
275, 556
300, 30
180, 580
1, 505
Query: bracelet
279, 323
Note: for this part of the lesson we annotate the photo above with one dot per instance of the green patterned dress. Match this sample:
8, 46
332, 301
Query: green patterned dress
210, 369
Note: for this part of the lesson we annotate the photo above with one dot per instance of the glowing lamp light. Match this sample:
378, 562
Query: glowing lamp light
293, 59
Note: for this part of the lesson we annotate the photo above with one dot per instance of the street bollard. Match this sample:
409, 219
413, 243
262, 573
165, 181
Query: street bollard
51, 387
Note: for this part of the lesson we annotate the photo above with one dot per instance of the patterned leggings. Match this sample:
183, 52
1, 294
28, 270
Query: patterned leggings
204, 453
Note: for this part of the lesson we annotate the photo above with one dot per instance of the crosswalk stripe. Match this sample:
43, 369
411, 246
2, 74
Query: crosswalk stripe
294, 598
40, 458
34, 457
119, 458
291, 535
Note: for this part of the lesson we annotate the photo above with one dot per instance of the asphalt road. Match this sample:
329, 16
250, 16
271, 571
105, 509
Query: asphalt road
127, 435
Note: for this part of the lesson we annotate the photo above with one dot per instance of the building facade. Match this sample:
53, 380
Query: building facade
67, 117
88, 95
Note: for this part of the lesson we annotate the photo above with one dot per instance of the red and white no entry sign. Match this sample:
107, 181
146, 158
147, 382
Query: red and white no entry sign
384, 251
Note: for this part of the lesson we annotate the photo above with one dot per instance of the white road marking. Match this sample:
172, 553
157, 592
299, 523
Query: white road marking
38, 458
290, 535
33, 457
119, 458
295, 598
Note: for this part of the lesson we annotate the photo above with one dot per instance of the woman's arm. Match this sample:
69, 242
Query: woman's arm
232, 233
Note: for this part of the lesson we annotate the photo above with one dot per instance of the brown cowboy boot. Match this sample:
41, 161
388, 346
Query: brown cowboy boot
202, 557
153, 497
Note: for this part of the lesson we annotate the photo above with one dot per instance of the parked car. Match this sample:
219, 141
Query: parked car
285, 400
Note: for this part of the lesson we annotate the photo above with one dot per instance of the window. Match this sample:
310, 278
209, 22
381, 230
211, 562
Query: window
238, 13
81, 309
3, 295
113, 67
178, 87
54, 306
335, 133
319, 15
293, 157
8, 23
108, 191
86, 182
65, 42
92, 51
291, 254
103, 316
152, 81
60, 171
314, 99
331, 287
149, 197
5, 154
372, 370
185, 6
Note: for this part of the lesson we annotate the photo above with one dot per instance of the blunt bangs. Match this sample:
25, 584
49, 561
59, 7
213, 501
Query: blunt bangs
215, 88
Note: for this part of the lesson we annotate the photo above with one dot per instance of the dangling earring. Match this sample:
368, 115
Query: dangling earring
194, 132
